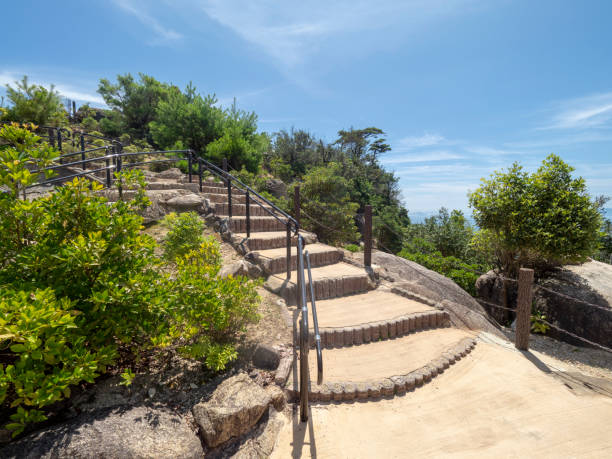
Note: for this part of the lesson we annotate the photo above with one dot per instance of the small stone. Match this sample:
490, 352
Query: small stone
399, 382
374, 390
349, 391
337, 392
151, 392
418, 378
361, 391
410, 382
193, 386
266, 357
388, 388
325, 394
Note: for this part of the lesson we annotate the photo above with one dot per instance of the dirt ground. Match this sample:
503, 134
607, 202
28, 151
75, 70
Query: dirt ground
498, 402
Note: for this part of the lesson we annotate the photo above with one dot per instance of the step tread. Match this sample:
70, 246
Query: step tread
373, 306
334, 271
384, 359
281, 252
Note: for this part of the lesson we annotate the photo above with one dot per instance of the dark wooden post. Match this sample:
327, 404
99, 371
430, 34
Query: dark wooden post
108, 172
225, 168
367, 236
248, 213
73, 110
59, 139
289, 251
523, 308
118, 169
190, 164
296, 203
83, 151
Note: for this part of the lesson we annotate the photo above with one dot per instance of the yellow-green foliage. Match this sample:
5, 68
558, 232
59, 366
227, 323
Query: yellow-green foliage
80, 279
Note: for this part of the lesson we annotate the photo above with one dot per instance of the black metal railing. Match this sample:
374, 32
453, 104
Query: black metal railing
304, 333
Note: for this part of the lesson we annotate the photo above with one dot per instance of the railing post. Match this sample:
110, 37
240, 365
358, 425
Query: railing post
59, 139
108, 172
523, 308
190, 163
248, 213
289, 251
229, 196
51, 137
118, 169
296, 203
367, 236
83, 151
200, 172
224, 166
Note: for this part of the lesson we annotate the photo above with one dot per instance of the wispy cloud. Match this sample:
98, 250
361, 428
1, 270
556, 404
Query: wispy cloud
440, 155
426, 140
65, 89
585, 112
290, 32
141, 13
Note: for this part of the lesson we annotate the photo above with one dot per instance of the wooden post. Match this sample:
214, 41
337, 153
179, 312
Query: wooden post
523, 308
367, 236
296, 203
200, 172
225, 169
190, 165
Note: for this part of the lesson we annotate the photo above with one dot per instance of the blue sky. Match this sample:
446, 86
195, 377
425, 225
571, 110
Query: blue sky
461, 87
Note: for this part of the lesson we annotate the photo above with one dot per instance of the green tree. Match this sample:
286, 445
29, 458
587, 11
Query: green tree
34, 104
539, 220
188, 118
136, 100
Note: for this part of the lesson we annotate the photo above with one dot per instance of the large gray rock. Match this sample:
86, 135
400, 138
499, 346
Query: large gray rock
138, 432
234, 408
186, 203
172, 173
266, 357
276, 188
241, 268
441, 291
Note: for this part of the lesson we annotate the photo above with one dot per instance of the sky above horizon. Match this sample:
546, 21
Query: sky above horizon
461, 87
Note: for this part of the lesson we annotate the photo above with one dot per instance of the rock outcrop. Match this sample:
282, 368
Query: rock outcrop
413, 280
235, 407
141, 432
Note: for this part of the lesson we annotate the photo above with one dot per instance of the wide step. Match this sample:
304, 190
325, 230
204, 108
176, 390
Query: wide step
222, 208
238, 224
274, 261
329, 282
273, 239
385, 368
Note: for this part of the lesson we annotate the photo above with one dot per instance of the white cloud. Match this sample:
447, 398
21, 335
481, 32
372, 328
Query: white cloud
139, 11
292, 31
421, 157
585, 112
426, 140
65, 90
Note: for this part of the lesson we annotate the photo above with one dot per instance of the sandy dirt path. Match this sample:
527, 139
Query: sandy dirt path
497, 402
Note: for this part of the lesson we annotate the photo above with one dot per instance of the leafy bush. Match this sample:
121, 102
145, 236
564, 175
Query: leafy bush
80, 282
185, 233
463, 274
90, 124
538, 220
34, 104
352, 248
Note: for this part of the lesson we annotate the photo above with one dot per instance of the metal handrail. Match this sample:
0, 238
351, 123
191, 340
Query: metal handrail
315, 322
304, 347
224, 174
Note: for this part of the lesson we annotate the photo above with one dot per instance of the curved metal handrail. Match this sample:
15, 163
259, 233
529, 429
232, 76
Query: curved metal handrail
315, 322
304, 347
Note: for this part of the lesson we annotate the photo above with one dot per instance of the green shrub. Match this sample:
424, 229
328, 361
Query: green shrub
185, 234
538, 220
34, 104
352, 248
80, 281
90, 124
463, 274
49, 354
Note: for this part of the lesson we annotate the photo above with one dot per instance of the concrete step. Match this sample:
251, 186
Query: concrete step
384, 368
173, 185
258, 224
222, 198
157, 195
221, 208
274, 261
221, 190
272, 239
330, 281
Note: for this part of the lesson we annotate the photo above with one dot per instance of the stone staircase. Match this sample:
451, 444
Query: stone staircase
377, 343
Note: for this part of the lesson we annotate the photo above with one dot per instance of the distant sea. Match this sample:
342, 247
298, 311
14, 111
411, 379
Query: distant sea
419, 217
